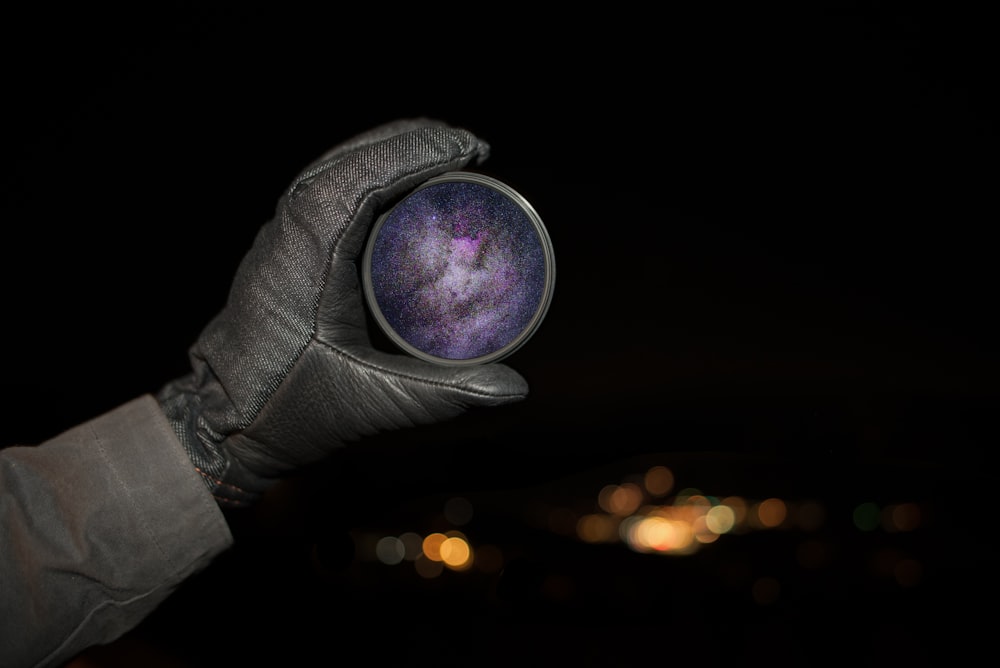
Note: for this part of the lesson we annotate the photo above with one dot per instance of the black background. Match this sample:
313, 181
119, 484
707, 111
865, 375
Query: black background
775, 274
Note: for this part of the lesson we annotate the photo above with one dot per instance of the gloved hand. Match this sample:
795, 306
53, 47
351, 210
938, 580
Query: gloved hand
286, 373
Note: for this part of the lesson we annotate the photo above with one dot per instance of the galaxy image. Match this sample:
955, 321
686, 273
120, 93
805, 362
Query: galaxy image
459, 271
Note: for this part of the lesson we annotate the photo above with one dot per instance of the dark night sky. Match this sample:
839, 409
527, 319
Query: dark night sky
772, 235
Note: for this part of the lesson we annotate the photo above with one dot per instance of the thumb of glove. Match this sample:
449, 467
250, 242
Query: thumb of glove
286, 373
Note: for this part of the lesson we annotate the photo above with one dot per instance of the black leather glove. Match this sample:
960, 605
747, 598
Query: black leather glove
286, 373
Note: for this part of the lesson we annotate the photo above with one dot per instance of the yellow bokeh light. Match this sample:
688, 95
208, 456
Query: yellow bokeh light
641, 515
628, 531
720, 519
657, 534
455, 553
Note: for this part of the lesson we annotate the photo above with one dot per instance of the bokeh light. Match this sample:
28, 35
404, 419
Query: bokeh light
702, 533
432, 545
771, 513
390, 550
621, 500
596, 528
455, 553
428, 568
866, 516
640, 514
901, 517
810, 515
720, 519
659, 480
739, 507
458, 511
412, 545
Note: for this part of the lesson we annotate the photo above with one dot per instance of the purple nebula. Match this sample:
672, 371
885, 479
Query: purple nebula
458, 270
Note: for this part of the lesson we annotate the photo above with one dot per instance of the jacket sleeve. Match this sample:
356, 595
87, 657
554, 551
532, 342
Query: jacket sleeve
97, 527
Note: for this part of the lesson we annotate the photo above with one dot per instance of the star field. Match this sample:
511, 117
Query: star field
459, 271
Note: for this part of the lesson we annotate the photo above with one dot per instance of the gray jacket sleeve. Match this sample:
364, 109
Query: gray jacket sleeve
97, 527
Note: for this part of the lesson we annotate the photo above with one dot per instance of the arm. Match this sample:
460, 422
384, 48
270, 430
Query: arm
97, 527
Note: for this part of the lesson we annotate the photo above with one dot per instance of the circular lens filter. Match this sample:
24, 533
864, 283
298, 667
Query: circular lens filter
460, 271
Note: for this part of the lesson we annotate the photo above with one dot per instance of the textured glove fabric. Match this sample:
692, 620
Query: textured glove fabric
286, 373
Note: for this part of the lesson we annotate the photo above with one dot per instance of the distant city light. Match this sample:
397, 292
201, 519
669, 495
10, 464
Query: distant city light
640, 514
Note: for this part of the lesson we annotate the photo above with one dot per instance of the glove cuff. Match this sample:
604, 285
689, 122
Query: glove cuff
231, 484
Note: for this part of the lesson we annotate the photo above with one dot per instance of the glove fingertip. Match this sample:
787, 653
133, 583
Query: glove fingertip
495, 384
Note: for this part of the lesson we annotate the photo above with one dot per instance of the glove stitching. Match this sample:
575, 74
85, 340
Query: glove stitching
216, 483
229, 501
219, 482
